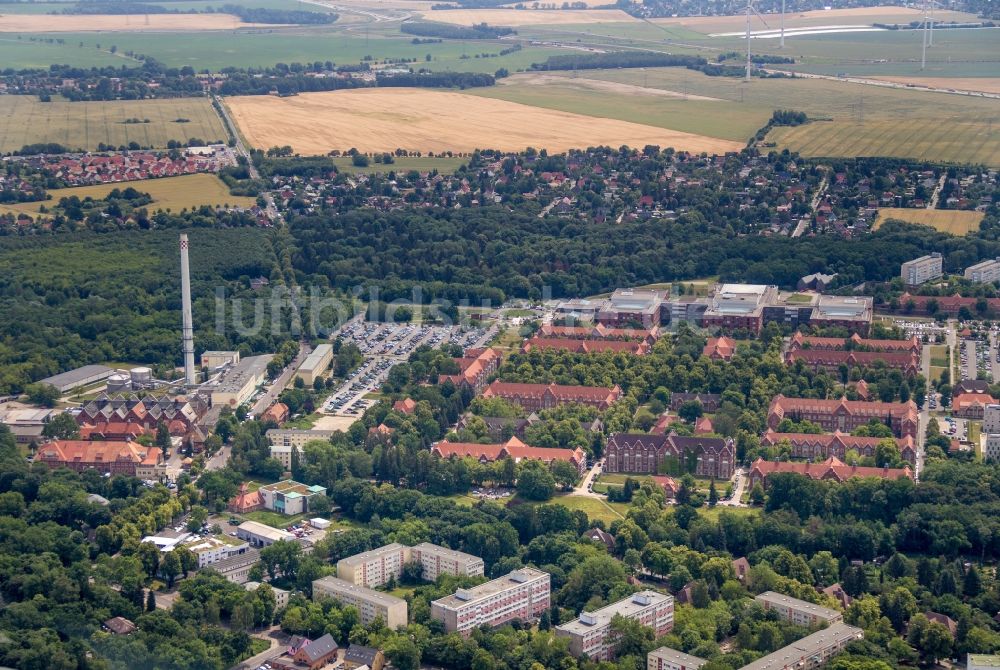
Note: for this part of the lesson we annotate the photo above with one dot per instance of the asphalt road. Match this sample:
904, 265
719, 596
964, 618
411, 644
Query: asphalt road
282, 382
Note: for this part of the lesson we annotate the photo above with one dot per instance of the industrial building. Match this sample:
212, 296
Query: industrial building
27, 425
259, 535
315, 364
88, 374
237, 568
522, 594
211, 550
590, 634
666, 658
798, 612
921, 270
217, 359
237, 385
371, 605
289, 497
811, 651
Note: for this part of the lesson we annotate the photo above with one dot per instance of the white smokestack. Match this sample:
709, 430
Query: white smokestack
187, 328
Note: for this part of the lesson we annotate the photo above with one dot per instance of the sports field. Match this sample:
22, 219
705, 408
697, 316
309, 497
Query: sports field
83, 125
173, 193
930, 139
955, 222
133, 23
385, 119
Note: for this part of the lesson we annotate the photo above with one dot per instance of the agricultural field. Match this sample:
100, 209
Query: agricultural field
173, 193
84, 125
38, 51
679, 110
130, 23
954, 222
981, 84
526, 17
929, 139
378, 120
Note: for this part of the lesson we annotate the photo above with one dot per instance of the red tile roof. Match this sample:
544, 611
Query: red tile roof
721, 348
832, 468
585, 346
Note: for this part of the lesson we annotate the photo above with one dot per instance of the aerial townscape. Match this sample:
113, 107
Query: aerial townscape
493, 335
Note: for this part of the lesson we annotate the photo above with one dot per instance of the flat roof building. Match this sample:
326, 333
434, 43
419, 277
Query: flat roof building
371, 604
797, 611
739, 306
522, 594
216, 359
211, 550
238, 384
375, 567
289, 497
851, 312
982, 662
590, 634
666, 658
811, 651
237, 568
437, 560
921, 270
985, 272
315, 364
280, 595
71, 379
259, 535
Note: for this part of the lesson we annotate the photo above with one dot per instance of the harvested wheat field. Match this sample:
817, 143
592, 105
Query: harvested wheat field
133, 23
979, 84
956, 222
528, 17
376, 120
859, 16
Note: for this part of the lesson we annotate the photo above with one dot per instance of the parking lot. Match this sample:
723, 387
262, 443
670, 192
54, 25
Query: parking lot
385, 345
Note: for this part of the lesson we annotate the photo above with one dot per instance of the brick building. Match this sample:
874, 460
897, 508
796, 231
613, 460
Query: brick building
512, 448
474, 369
641, 453
113, 458
832, 469
845, 415
823, 445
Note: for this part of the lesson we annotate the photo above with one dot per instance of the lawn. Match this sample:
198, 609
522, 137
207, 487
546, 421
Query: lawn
975, 428
84, 125
712, 513
273, 519
939, 355
303, 422
936, 372
953, 221
402, 164
463, 499
799, 298
593, 507
170, 193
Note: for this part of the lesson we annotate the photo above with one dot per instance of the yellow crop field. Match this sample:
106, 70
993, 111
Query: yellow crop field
955, 222
384, 119
84, 125
132, 23
173, 193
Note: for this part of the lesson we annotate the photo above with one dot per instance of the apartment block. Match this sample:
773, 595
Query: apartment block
666, 658
442, 561
522, 594
374, 568
590, 634
991, 418
797, 611
371, 605
992, 453
812, 651
985, 272
922, 270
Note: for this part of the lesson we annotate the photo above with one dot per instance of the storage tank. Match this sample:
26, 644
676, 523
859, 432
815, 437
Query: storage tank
120, 381
142, 377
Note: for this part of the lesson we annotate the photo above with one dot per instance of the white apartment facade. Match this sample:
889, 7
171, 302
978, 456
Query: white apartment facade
797, 611
666, 658
522, 594
921, 270
437, 561
210, 550
590, 634
986, 272
374, 568
370, 604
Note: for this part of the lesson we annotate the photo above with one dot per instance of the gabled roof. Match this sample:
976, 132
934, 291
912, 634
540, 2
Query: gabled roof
361, 655
832, 468
319, 648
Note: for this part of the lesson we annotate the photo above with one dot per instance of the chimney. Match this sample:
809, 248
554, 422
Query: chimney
187, 327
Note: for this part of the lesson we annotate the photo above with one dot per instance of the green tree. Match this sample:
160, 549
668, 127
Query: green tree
150, 601
535, 481
61, 427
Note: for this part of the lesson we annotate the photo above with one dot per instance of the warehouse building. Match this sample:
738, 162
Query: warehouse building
238, 384
88, 374
315, 364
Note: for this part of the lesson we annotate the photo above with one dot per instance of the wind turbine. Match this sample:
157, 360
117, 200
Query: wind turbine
782, 45
751, 8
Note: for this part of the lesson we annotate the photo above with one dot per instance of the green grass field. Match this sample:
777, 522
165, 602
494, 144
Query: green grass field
593, 507
422, 164
273, 519
170, 193
84, 125
939, 355
712, 513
